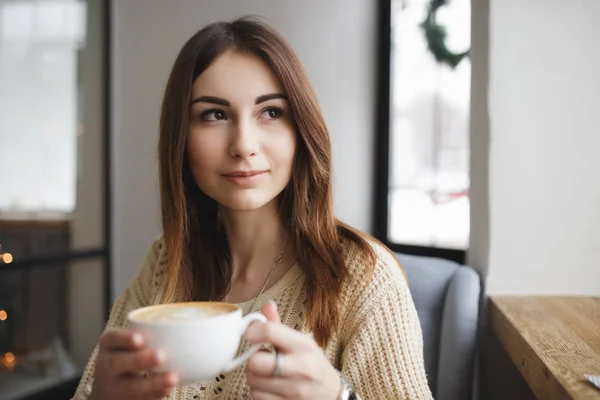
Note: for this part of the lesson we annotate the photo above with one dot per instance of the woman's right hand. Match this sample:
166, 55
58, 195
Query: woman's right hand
123, 359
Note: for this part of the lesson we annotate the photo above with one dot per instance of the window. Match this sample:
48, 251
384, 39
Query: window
54, 208
423, 182
40, 44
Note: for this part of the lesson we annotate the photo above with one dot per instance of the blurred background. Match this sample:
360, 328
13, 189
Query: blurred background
53, 192
477, 146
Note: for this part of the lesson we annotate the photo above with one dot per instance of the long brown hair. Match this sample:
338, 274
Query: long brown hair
198, 254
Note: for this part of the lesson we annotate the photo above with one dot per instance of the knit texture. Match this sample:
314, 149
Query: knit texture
378, 345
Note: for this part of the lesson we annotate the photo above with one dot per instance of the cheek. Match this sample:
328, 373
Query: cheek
203, 152
291, 154
285, 150
282, 156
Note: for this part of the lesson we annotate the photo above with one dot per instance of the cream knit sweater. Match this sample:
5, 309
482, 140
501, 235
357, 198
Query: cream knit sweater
379, 344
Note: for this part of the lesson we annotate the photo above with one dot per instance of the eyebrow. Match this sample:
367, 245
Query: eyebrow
212, 100
267, 97
225, 103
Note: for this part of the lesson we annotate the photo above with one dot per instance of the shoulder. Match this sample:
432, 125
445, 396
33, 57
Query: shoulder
159, 248
152, 271
383, 269
156, 254
370, 281
144, 288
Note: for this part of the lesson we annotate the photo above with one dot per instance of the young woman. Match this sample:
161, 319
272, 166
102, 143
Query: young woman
246, 197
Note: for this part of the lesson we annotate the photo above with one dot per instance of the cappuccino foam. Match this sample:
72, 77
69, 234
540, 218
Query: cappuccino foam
179, 313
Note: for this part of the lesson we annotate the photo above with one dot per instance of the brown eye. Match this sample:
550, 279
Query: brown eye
272, 113
213, 115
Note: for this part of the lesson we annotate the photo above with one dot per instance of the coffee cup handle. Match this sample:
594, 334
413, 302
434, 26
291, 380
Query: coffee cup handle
246, 321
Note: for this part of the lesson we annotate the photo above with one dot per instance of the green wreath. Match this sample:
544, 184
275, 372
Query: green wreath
435, 35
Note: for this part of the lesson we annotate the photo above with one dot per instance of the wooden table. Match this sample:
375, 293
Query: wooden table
553, 341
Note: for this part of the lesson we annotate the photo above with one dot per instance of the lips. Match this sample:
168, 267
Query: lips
245, 179
243, 174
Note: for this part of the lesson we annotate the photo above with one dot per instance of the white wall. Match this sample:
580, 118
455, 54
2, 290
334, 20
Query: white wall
544, 171
479, 193
335, 39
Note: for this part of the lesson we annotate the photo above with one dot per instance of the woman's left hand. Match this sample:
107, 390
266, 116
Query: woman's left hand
305, 373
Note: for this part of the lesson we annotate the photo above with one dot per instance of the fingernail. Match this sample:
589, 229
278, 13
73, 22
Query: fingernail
138, 340
273, 303
160, 356
172, 380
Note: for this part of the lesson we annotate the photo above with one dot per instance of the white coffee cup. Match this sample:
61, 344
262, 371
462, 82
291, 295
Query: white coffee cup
200, 339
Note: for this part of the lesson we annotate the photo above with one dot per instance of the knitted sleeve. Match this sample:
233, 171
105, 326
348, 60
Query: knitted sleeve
383, 357
138, 294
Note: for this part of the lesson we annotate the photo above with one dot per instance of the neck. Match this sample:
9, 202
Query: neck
255, 240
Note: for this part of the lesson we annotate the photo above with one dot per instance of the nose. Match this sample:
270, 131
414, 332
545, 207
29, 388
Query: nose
244, 141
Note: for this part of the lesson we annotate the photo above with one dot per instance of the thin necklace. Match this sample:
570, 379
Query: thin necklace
277, 262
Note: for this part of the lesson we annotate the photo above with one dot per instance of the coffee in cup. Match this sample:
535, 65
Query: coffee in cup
200, 339
181, 312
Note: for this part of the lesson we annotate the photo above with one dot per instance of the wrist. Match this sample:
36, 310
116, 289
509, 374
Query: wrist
346, 390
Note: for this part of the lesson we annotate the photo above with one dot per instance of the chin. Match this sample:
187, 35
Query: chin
245, 203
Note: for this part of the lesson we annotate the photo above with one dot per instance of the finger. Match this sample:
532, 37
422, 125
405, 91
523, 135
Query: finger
121, 339
275, 386
270, 311
132, 362
263, 364
258, 395
280, 336
155, 386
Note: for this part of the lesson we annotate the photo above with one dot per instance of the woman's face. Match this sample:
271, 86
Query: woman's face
241, 141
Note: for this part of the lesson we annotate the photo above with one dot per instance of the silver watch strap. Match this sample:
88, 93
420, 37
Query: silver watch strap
347, 392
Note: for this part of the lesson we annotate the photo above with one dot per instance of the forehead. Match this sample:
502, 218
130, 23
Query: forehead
236, 76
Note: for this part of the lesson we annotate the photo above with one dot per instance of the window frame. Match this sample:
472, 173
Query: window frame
382, 156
